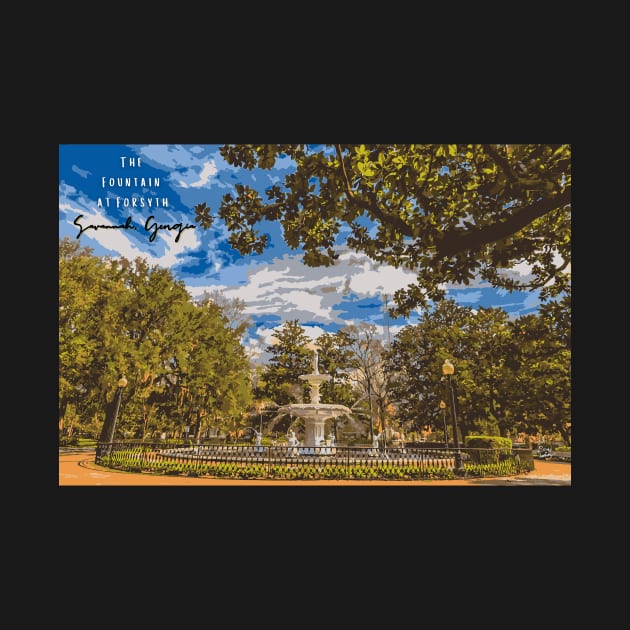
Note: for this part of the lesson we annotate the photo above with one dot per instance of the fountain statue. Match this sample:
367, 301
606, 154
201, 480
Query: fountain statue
292, 439
315, 413
375, 443
375, 440
258, 444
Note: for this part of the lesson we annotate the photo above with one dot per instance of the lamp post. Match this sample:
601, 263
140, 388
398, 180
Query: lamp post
443, 408
107, 434
448, 369
260, 411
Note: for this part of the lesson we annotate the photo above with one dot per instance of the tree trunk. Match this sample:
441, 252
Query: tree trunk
505, 429
369, 387
109, 410
62, 411
464, 429
565, 432
145, 421
198, 426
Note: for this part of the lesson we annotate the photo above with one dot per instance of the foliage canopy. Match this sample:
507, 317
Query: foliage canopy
448, 212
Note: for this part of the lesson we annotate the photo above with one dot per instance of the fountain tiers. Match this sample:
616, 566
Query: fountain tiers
315, 413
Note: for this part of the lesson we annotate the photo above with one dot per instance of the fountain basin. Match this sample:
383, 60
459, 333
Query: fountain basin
315, 410
315, 416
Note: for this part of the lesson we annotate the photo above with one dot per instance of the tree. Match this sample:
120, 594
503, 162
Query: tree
539, 357
336, 359
183, 360
474, 342
78, 279
368, 373
152, 341
232, 309
290, 359
449, 212
413, 363
482, 383
210, 369
91, 293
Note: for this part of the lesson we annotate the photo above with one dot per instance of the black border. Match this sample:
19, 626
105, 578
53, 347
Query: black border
415, 517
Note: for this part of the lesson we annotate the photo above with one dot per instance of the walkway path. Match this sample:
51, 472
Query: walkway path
77, 468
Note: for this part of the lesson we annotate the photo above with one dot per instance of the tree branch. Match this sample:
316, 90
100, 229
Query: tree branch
501, 161
427, 204
476, 238
388, 219
383, 217
343, 169
537, 284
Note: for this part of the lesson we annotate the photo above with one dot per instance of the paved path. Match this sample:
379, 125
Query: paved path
77, 468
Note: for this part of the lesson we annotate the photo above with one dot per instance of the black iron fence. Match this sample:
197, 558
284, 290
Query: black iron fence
302, 462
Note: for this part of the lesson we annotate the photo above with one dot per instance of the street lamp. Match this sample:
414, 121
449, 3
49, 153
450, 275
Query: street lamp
107, 434
443, 408
260, 411
448, 369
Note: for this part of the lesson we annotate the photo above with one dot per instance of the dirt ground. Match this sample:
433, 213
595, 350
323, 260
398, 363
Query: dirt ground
79, 469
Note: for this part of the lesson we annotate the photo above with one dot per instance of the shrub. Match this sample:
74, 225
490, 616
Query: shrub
524, 460
488, 449
68, 441
489, 441
501, 469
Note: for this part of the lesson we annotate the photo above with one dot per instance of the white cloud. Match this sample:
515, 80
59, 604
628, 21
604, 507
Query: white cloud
208, 170
374, 279
522, 269
288, 288
476, 283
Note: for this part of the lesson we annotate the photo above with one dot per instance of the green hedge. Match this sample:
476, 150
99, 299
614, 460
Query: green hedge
139, 459
487, 449
525, 459
489, 441
497, 469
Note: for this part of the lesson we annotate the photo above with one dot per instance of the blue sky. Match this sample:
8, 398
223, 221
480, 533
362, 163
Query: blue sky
167, 181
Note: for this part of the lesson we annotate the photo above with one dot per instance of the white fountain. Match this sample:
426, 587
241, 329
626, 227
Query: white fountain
315, 413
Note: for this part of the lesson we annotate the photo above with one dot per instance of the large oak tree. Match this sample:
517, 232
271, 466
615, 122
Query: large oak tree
449, 212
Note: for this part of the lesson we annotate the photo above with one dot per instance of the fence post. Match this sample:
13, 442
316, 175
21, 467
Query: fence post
348, 462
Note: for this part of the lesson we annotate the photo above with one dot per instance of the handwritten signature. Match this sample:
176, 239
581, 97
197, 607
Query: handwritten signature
151, 226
